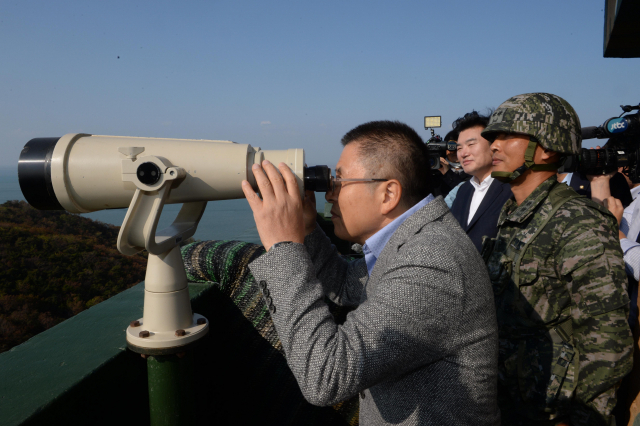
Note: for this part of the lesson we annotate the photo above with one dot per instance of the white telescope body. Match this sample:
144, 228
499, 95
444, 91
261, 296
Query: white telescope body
82, 173
87, 171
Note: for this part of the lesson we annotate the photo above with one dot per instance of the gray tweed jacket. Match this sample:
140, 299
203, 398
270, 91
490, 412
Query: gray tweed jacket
421, 348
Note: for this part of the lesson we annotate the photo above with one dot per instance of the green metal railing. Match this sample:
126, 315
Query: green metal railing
80, 371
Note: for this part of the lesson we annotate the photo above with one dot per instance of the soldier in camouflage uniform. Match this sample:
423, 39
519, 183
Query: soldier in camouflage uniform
557, 273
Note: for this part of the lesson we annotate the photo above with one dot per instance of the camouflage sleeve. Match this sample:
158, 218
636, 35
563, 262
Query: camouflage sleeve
593, 263
606, 355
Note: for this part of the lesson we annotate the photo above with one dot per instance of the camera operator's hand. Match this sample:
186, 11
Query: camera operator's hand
278, 214
309, 212
600, 189
444, 166
615, 206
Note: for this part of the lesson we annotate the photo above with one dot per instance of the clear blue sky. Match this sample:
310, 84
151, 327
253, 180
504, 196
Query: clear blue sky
281, 74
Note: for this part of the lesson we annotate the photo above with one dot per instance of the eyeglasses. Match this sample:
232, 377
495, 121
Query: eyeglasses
336, 183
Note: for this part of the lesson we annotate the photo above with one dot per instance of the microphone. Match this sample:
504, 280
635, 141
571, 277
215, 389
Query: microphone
590, 132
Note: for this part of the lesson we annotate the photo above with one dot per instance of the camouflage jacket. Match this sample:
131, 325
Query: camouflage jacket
564, 339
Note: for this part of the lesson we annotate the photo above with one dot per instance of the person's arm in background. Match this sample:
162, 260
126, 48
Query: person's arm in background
444, 166
600, 187
620, 189
630, 248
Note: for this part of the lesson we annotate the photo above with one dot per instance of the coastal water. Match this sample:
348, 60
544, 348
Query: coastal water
222, 220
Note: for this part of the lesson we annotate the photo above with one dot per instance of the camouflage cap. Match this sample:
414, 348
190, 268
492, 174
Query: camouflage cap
548, 118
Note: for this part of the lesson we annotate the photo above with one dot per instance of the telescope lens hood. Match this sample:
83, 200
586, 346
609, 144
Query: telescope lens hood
34, 174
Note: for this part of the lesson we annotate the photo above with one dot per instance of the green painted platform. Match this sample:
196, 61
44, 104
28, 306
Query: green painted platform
80, 372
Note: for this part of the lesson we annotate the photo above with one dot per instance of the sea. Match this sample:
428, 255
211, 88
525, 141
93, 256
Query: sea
222, 220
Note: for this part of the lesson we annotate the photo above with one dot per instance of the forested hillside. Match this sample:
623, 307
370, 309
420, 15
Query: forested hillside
54, 265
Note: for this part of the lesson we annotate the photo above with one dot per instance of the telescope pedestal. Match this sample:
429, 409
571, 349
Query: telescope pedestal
168, 324
168, 328
166, 333
172, 400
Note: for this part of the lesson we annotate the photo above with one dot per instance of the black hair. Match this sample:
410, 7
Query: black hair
452, 136
394, 149
469, 120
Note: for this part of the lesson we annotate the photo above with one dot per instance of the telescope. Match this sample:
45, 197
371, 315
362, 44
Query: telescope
81, 173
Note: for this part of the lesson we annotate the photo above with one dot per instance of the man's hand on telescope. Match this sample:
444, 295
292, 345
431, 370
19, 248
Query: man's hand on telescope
279, 214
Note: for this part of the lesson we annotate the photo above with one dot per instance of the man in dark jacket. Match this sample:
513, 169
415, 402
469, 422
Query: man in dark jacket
480, 199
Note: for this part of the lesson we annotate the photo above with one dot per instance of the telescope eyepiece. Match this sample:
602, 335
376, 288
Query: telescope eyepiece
317, 178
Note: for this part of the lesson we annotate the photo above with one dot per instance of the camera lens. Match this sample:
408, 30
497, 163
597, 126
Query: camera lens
598, 161
148, 173
317, 178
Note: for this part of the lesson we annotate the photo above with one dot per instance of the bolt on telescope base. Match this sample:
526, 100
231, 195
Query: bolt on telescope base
164, 351
167, 342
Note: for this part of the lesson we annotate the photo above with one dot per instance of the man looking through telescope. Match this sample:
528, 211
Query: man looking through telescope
422, 340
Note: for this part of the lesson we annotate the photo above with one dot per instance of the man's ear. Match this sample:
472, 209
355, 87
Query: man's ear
392, 193
548, 156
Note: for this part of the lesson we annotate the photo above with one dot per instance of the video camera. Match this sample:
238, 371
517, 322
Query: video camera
435, 145
620, 151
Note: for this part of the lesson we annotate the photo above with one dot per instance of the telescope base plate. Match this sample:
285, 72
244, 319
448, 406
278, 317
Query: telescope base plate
165, 342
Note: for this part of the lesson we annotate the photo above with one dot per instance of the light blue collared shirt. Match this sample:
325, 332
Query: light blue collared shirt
374, 245
451, 196
567, 179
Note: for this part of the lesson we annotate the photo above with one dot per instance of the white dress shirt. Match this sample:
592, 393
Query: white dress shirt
567, 179
481, 189
630, 226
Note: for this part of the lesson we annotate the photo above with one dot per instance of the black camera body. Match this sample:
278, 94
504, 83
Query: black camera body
620, 151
